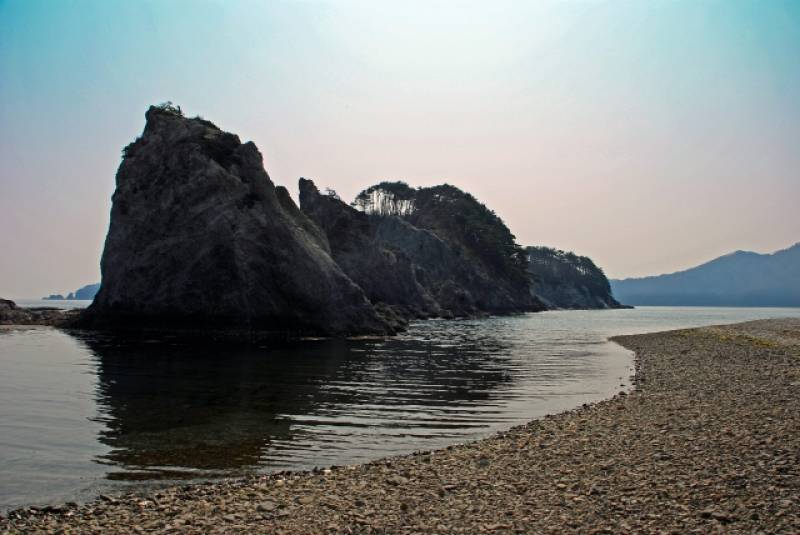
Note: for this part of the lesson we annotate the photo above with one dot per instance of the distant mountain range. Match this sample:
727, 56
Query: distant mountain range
741, 278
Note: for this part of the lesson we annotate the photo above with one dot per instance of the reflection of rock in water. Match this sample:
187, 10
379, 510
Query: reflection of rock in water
178, 410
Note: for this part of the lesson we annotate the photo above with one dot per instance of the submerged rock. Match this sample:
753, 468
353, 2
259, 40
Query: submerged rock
200, 238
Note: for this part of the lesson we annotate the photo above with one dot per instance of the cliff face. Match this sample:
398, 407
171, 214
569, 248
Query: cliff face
201, 238
384, 272
474, 263
423, 253
568, 281
437, 267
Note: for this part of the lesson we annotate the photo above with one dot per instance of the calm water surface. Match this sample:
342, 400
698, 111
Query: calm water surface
82, 414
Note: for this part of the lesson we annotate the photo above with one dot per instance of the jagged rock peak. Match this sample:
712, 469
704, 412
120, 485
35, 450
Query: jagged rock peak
200, 238
167, 124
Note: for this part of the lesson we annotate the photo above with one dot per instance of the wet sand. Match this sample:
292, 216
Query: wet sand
709, 442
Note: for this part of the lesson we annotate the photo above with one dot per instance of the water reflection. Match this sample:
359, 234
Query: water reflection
174, 410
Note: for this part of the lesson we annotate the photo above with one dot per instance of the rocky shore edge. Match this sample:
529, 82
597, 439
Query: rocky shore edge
708, 442
12, 314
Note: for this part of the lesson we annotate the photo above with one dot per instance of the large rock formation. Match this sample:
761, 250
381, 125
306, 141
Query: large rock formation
201, 238
480, 267
424, 251
566, 280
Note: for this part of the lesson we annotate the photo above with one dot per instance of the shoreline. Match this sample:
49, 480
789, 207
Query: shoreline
579, 470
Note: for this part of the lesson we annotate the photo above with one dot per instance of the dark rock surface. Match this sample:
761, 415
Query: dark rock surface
420, 271
11, 314
568, 281
490, 269
460, 285
384, 272
200, 238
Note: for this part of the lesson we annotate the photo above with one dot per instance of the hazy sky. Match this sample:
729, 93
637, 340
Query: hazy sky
648, 135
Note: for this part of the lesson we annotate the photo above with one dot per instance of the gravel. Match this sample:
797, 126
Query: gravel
708, 442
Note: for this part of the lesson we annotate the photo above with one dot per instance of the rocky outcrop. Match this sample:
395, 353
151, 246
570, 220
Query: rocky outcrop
421, 271
461, 285
567, 281
201, 238
11, 314
467, 255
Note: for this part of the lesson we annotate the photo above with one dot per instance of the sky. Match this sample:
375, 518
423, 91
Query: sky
648, 135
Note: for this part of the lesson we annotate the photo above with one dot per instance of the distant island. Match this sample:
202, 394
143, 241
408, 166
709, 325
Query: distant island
84, 293
741, 278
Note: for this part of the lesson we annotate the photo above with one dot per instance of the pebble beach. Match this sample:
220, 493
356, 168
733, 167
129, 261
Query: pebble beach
707, 442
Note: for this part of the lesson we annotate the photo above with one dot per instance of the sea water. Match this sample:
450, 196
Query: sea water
85, 413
